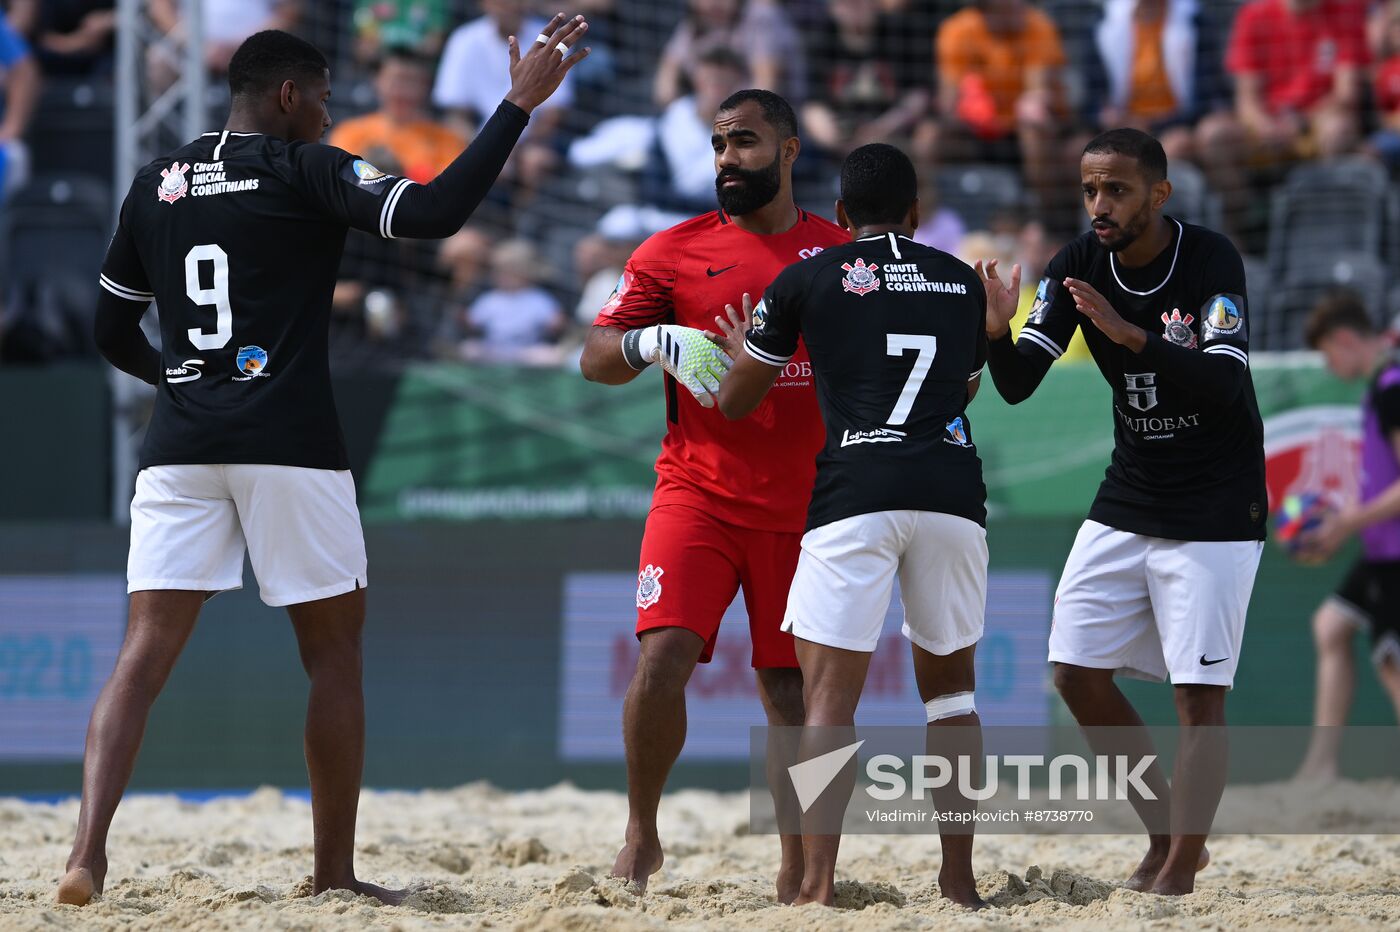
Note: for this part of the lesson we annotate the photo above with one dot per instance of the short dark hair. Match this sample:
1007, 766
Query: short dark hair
405, 53
878, 185
721, 56
1339, 309
1135, 144
267, 58
776, 111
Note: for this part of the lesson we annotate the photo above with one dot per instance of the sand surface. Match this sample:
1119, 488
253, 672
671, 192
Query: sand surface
477, 857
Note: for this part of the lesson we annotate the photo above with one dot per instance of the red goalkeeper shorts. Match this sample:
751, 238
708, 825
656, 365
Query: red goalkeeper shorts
692, 565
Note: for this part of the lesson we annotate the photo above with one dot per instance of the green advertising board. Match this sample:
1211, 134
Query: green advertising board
475, 443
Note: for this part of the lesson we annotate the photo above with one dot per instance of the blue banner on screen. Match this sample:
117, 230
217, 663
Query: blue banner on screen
600, 652
59, 637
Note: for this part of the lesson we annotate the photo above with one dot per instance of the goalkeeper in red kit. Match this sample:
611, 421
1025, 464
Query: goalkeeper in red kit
731, 497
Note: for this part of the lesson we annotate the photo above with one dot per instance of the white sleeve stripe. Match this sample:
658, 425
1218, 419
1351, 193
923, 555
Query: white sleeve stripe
768, 358
386, 216
1232, 351
1041, 340
121, 291
975, 374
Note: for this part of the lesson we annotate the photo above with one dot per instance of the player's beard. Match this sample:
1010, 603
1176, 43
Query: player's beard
758, 188
1127, 235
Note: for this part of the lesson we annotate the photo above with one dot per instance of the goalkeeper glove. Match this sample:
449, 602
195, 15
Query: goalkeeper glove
686, 353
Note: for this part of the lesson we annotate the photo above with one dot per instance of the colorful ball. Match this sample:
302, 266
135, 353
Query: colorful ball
1297, 515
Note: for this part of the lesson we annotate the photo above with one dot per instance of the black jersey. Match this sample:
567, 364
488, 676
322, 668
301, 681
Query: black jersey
238, 238
895, 331
1188, 457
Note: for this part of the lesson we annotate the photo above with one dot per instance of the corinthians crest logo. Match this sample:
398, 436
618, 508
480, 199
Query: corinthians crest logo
860, 278
1178, 329
649, 586
174, 185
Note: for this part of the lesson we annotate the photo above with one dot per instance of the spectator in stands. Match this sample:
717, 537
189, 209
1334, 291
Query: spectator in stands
1385, 143
462, 261
19, 90
516, 320
681, 174
869, 84
401, 137
1299, 69
758, 30
598, 265
69, 36
226, 24
1000, 91
416, 25
1156, 70
474, 75
939, 226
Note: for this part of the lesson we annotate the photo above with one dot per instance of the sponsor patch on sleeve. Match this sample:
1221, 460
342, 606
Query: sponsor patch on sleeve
364, 175
1044, 297
1222, 316
759, 319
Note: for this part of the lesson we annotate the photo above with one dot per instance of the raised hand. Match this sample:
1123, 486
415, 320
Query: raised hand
1096, 307
733, 328
538, 73
1002, 300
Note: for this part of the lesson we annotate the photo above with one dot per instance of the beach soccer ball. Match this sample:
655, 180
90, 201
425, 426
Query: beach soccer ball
1295, 517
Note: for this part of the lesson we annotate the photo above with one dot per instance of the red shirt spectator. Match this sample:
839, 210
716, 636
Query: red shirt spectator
1295, 48
1388, 86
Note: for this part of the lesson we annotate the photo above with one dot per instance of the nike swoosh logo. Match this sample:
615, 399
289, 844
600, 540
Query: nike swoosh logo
1208, 663
713, 272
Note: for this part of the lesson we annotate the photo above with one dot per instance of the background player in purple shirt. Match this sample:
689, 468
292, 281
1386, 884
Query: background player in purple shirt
1369, 596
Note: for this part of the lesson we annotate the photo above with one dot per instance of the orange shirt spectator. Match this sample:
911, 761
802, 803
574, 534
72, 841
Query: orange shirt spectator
991, 57
1150, 95
400, 137
1296, 51
420, 148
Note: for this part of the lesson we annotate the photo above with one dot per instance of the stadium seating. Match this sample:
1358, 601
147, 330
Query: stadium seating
979, 193
53, 234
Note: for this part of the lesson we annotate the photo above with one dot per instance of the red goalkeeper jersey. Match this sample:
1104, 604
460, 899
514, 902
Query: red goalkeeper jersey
756, 472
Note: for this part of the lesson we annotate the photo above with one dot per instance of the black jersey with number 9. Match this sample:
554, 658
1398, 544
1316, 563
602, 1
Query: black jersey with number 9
238, 239
896, 330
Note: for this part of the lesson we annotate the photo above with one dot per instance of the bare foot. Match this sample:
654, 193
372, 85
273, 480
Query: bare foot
826, 896
1169, 886
636, 862
77, 887
962, 890
789, 883
1174, 886
1148, 869
382, 894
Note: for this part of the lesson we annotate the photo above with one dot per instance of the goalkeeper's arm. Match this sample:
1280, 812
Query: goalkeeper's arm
690, 356
602, 359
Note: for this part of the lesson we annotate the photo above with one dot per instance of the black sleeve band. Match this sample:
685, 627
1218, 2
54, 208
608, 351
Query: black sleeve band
1017, 368
117, 332
631, 352
438, 209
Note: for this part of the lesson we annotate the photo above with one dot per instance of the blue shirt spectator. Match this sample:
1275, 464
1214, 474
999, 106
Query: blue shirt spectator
19, 88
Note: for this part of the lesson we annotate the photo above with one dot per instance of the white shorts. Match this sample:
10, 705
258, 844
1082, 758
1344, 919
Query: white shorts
1150, 608
190, 525
845, 577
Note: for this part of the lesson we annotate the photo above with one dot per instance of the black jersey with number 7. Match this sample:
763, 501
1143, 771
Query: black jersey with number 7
896, 331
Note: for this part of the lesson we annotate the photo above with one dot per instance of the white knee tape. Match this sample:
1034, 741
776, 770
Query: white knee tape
950, 706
